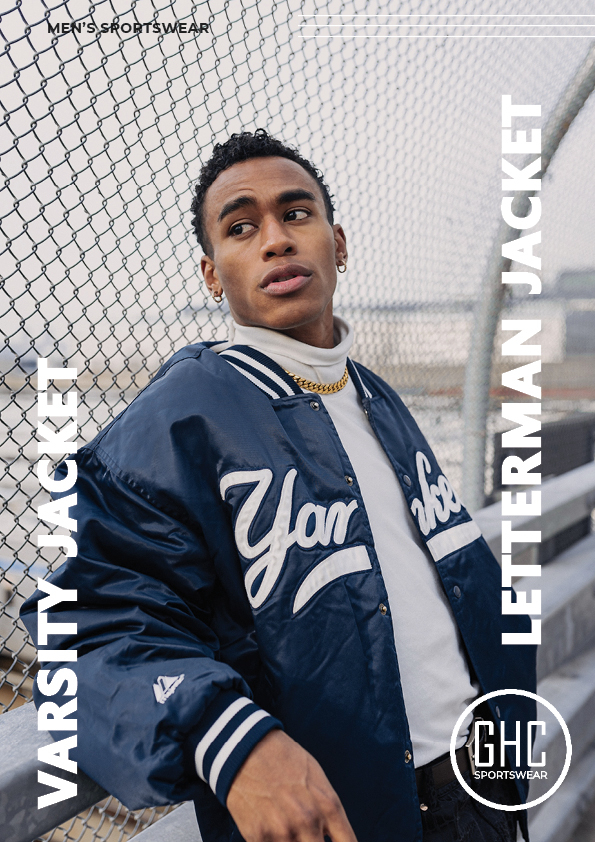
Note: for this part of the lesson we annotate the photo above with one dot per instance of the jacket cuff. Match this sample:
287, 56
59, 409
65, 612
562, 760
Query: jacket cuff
229, 730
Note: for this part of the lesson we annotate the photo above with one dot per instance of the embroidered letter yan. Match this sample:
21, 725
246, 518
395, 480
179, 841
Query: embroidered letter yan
272, 548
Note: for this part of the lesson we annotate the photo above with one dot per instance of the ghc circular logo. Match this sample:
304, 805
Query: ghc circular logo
490, 749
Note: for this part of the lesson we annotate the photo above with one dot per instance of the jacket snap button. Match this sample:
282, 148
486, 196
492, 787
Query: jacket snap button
382, 607
423, 807
457, 591
407, 756
407, 480
348, 479
315, 405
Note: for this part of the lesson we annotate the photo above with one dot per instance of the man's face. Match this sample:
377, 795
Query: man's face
274, 252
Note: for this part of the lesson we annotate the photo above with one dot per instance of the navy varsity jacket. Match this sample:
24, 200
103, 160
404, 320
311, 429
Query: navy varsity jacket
227, 584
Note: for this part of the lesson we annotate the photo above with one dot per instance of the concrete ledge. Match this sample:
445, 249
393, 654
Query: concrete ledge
560, 815
565, 500
20, 819
567, 603
179, 826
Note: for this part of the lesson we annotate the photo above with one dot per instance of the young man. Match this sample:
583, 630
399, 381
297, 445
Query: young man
283, 607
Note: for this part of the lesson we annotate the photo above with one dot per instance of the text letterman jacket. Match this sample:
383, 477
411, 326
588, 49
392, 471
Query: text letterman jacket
226, 571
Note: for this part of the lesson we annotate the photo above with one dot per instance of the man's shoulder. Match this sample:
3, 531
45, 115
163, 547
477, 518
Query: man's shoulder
170, 427
195, 353
184, 369
194, 383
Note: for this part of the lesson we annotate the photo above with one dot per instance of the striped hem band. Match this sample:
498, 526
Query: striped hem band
236, 724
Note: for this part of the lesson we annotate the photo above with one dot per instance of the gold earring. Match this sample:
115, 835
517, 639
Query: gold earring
342, 266
217, 297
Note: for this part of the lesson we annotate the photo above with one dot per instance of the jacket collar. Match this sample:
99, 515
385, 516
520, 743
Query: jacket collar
262, 371
273, 380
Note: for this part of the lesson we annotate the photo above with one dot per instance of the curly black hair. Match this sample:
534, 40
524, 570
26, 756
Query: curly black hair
243, 147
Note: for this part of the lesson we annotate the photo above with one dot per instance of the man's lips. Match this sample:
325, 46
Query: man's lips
287, 278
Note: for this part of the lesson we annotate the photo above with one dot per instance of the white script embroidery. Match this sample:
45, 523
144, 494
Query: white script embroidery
432, 508
328, 524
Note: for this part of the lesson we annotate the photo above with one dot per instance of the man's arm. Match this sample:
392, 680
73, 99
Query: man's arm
144, 583
151, 687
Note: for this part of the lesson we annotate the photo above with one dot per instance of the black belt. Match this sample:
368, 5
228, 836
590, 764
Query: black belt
441, 769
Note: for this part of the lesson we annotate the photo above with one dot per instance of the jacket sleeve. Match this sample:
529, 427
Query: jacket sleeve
160, 715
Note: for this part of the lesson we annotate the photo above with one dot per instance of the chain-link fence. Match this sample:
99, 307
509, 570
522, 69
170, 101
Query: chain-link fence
109, 110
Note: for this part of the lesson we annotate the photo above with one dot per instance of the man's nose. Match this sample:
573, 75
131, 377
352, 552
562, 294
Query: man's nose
276, 239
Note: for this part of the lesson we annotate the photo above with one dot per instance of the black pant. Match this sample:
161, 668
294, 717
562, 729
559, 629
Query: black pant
454, 816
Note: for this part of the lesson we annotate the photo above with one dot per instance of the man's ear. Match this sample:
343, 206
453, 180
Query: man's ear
340, 244
209, 273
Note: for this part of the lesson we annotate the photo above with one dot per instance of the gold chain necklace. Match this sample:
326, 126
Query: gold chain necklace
320, 388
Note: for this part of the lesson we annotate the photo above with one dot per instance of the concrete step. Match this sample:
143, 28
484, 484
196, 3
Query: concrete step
571, 690
565, 500
560, 815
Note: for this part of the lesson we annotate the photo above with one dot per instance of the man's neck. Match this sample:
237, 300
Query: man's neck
324, 365
318, 332
312, 335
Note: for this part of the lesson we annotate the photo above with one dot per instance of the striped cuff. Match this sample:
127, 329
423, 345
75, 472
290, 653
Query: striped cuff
230, 728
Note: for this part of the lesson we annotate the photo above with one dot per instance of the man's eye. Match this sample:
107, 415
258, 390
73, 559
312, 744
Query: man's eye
239, 228
296, 213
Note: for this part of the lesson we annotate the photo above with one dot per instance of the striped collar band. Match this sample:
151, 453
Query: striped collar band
270, 377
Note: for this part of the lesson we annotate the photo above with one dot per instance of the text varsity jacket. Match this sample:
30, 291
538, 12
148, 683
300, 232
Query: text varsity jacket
227, 583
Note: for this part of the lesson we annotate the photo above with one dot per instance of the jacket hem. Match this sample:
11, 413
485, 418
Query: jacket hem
229, 730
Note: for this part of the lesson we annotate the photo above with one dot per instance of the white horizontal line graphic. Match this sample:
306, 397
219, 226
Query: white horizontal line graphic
422, 35
454, 25
446, 15
434, 22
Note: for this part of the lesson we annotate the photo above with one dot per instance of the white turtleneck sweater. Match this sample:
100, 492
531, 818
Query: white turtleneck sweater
434, 674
